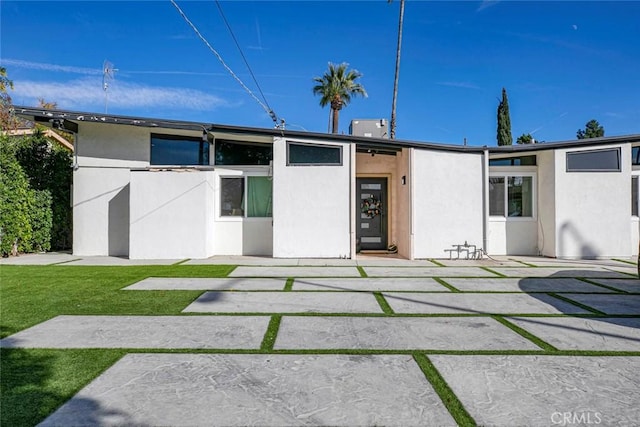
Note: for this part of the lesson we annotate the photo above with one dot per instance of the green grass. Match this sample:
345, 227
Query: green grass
37, 381
33, 294
272, 333
362, 272
384, 305
446, 285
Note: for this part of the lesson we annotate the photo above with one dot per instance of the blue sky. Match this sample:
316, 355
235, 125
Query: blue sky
562, 63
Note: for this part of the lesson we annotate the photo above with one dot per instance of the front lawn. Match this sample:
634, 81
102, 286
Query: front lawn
34, 382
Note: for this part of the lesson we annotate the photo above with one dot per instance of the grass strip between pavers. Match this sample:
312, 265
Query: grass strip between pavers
362, 272
527, 264
446, 285
525, 334
384, 304
493, 272
448, 397
272, 333
439, 264
624, 260
289, 285
576, 303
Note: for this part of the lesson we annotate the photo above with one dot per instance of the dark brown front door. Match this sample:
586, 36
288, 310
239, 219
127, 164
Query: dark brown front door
371, 222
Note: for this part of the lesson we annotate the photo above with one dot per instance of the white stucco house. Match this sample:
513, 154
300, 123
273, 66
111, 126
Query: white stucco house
152, 188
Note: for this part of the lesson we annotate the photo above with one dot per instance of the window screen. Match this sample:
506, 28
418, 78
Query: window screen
306, 154
232, 196
496, 196
594, 161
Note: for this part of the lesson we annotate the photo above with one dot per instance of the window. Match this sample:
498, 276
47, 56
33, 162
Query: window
594, 161
635, 196
233, 153
635, 156
511, 196
178, 150
514, 161
307, 154
257, 197
232, 196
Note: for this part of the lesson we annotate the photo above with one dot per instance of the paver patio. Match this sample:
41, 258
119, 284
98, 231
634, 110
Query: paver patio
257, 389
609, 304
553, 272
524, 285
427, 272
370, 284
278, 271
208, 284
538, 390
627, 285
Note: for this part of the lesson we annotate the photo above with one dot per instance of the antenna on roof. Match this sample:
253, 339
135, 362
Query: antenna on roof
108, 74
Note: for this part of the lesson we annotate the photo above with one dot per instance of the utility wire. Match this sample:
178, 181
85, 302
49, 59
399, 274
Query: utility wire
268, 110
233, 36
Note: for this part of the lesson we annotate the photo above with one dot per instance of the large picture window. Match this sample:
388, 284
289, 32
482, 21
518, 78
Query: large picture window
249, 197
635, 195
176, 150
309, 154
511, 196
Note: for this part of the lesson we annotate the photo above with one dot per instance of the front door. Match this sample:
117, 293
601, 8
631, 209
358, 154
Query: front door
371, 205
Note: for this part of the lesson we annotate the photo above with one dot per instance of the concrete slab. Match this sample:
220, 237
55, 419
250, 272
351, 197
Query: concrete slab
630, 270
111, 260
559, 272
284, 302
524, 285
208, 284
277, 271
541, 390
627, 285
242, 260
479, 303
427, 272
38, 259
229, 332
398, 333
486, 262
256, 389
609, 304
575, 333
559, 262
393, 261
369, 284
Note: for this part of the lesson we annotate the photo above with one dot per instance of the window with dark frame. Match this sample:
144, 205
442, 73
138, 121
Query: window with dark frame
511, 196
300, 154
607, 160
232, 196
635, 156
514, 161
237, 153
635, 196
178, 150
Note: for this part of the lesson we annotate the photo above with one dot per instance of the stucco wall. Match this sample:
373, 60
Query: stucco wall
447, 201
101, 211
311, 207
171, 214
403, 204
593, 209
547, 203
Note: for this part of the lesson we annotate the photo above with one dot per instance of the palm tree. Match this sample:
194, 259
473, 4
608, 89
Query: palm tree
336, 87
395, 80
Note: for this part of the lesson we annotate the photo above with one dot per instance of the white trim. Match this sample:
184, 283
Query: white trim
534, 196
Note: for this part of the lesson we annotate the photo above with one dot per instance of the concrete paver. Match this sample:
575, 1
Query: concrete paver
524, 285
486, 262
38, 259
552, 272
369, 284
609, 304
427, 272
398, 333
111, 260
208, 284
539, 390
284, 302
278, 271
256, 389
229, 332
575, 333
479, 303
628, 285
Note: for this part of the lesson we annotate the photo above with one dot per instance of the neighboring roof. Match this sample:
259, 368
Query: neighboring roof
47, 133
68, 120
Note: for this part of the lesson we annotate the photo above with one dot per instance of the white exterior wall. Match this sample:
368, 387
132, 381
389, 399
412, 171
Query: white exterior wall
311, 206
101, 211
593, 209
447, 201
547, 203
171, 214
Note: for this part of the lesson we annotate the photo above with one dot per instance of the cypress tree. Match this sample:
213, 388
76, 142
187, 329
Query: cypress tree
504, 121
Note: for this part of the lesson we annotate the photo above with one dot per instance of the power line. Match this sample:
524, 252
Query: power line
204, 40
233, 36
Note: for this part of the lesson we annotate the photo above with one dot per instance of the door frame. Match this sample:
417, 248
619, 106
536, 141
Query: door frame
389, 210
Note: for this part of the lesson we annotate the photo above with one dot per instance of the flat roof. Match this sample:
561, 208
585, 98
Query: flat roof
62, 117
